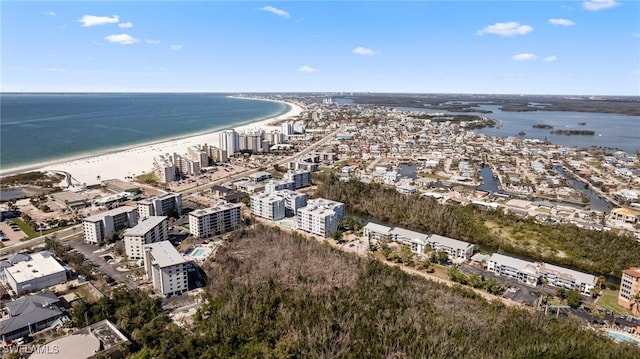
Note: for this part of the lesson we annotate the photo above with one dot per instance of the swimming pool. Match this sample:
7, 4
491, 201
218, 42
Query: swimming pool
623, 337
198, 252
286, 224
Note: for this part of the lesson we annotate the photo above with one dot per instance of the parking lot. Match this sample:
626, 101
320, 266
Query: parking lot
97, 256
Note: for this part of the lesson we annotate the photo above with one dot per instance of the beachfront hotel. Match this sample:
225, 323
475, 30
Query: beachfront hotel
165, 268
221, 218
229, 141
164, 168
163, 205
149, 230
630, 290
320, 217
104, 225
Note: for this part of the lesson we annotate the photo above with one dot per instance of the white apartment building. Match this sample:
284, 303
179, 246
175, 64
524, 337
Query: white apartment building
229, 141
268, 205
162, 205
165, 268
164, 168
195, 153
217, 154
300, 178
104, 225
293, 201
37, 271
148, 230
320, 217
221, 218
532, 273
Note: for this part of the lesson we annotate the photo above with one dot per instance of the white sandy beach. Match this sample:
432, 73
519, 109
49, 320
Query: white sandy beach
137, 160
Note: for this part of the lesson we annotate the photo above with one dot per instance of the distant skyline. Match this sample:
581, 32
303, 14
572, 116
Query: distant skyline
501, 47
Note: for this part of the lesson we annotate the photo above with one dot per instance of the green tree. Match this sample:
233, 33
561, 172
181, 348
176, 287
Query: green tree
574, 299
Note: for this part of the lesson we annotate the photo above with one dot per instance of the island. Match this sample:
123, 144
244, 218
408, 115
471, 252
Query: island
574, 132
539, 125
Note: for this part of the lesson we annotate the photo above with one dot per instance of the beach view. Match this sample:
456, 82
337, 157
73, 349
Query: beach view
366, 179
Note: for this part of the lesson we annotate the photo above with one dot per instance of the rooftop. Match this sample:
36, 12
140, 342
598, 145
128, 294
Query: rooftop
111, 212
221, 206
145, 225
633, 271
30, 309
164, 254
40, 265
449, 242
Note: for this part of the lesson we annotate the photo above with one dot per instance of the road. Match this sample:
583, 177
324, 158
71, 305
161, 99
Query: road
245, 173
63, 234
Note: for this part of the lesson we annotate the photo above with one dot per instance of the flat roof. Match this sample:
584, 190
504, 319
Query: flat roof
222, 206
626, 211
160, 197
164, 253
39, 266
120, 184
112, 212
145, 225
67, 196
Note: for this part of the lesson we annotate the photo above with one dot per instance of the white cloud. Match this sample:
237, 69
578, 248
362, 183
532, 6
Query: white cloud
524, 57
123, 39
364, 51
150, 41
597, 5
276, 11
307, 69
51, 13
562, 22
552, 58
636, 34
90, 20
175, 47
125, 25
510, 28
52, 69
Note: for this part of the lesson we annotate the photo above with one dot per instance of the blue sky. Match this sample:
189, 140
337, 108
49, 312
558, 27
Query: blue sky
540, 47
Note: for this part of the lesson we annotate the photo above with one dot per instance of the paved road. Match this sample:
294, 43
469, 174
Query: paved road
245, 173
89, 251
63, 234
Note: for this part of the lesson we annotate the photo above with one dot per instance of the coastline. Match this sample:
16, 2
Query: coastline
138, 159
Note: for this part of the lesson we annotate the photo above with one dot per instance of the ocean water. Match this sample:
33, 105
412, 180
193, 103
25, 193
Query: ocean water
35, 128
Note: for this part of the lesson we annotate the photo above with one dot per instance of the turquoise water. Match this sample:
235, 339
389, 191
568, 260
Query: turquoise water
622, 338
198, 252
285, 224
44, 127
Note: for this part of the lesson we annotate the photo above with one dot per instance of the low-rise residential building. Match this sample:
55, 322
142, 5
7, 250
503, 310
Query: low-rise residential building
626, 215
453, 247
164, 205
165, 268
418, 242
31, 314
320, 217
148, 230
36, 271
104, 225
268, 205
533, 273
221, 218
629, 296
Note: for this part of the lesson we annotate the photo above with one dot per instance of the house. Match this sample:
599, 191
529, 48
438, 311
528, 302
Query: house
31, 314
626, 215
630, 289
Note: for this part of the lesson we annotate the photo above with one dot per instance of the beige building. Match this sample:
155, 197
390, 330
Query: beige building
223, 217
104, 225
629, 296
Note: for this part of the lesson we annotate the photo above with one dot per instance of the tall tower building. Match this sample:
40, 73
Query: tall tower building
229, 141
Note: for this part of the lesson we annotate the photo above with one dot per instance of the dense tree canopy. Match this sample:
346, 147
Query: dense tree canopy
598, 252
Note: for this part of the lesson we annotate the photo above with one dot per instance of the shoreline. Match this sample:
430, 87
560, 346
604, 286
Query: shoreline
129, 160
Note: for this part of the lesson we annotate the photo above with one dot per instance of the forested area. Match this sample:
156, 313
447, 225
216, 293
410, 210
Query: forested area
597, 252
279, 295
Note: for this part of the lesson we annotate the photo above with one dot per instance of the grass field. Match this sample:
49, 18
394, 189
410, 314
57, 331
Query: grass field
25, 228
609, 301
